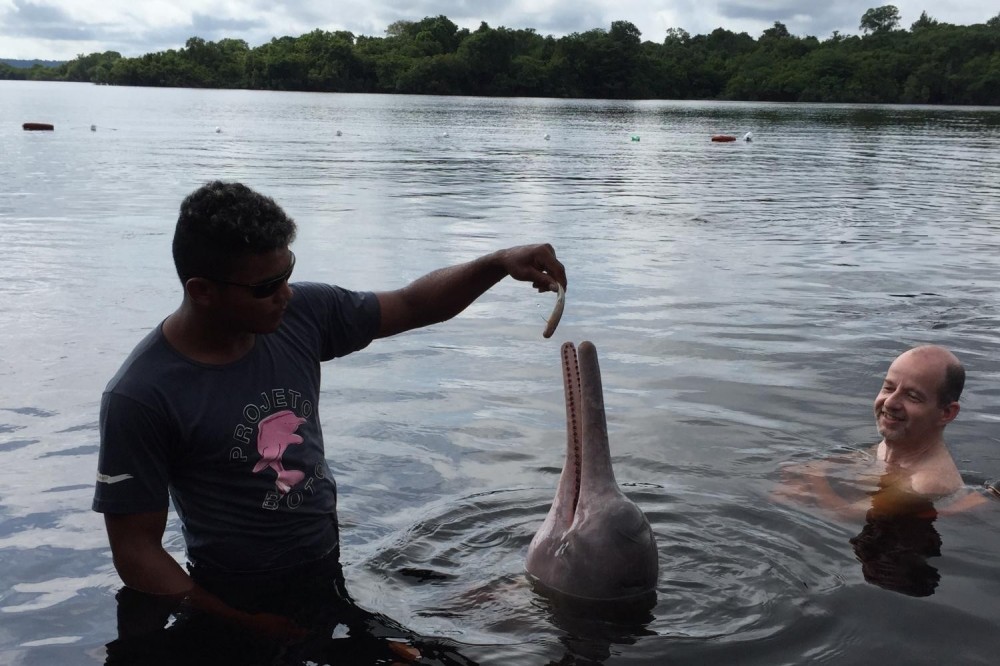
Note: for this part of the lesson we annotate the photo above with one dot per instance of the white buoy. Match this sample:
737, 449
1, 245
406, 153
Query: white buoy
444, 136
547, 137
748, 137
218, 130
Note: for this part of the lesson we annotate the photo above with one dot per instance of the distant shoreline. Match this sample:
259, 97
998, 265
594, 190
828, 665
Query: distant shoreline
28, 64
929, 63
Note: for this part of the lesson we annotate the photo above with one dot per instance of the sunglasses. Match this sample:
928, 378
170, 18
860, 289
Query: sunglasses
267, 287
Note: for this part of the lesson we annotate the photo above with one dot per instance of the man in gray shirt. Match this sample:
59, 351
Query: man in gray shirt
217, 408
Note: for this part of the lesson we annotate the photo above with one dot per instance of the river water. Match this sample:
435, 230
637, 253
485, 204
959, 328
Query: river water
745, 300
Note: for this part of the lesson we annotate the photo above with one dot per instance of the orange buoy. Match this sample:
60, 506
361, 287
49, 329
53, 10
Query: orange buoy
722, 138
38, 126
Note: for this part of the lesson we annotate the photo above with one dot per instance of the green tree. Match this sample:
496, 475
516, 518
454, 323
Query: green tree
443, 74
924, 21
677, 36
93, 68
398, 28
601, 64
488, 54
873, 79
932, 63
8, 73
880, 19
826, 71
529, 76
437, 35
332, 64
984, 80
776, 32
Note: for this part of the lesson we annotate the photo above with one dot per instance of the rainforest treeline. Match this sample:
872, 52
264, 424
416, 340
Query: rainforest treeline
930, 63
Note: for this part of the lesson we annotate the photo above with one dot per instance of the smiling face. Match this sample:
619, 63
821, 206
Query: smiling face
908, 407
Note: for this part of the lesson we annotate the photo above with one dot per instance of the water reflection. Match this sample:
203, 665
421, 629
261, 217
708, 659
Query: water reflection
898, 536
304, 616
896, 541
590, 631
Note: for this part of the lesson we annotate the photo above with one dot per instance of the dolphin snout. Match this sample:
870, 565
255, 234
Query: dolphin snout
595, 542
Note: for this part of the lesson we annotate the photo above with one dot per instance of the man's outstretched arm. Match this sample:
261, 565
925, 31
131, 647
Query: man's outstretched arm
442, 294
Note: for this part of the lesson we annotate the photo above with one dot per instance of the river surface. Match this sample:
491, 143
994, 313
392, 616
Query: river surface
745, 300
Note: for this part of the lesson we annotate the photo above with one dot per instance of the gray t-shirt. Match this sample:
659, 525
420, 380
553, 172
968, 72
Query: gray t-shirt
239, 446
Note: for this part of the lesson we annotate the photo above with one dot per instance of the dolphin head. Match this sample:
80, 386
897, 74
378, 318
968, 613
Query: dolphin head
595, 543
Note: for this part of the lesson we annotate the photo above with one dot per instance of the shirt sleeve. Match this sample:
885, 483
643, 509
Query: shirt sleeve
348, 320
133, 464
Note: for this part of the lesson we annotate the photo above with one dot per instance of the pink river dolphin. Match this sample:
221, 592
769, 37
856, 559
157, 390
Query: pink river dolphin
595, 544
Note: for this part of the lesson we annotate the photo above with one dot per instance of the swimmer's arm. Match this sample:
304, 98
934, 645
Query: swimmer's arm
809, 484
948, 492
968, 500
833, 502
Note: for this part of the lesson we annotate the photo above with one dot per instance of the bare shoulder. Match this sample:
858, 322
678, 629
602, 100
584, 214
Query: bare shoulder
937, 475
936, 480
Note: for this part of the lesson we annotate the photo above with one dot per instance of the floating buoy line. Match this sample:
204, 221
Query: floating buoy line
717, 138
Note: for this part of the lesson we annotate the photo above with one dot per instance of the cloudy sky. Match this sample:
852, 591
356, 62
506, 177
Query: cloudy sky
63, 29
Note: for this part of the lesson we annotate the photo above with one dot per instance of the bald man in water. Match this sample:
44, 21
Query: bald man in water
918, 399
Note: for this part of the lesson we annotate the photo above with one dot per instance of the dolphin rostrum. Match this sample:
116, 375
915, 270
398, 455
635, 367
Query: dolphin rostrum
595, 543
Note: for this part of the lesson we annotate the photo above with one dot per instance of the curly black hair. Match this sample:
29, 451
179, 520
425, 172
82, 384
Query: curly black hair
221, 223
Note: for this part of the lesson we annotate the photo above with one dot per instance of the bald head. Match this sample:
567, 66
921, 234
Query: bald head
943, 363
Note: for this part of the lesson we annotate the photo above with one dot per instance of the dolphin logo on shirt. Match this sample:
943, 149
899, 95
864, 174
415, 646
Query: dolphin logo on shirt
275, 434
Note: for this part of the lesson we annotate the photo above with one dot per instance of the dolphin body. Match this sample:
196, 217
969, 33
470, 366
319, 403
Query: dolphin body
595, 544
